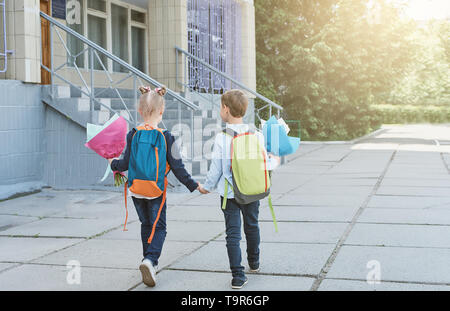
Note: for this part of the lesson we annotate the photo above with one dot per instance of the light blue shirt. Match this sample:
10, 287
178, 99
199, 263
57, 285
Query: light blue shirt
221, 160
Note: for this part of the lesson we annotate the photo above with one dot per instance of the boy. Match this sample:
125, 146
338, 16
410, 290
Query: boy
234, 104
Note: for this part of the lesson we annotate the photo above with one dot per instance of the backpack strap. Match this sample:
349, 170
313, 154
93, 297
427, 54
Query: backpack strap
272, 212
225, 195
230, 132
159, 211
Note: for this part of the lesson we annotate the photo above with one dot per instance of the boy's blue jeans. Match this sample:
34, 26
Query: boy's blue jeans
232, 214
147, 211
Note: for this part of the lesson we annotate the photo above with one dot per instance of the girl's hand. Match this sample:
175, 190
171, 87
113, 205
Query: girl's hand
202, 190
110, 160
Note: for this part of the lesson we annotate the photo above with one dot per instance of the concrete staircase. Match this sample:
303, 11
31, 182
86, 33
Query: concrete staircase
202, 124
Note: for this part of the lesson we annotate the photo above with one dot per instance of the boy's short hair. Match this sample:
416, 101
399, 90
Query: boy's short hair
236, 101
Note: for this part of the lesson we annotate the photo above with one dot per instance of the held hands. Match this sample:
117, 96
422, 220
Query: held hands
201, 189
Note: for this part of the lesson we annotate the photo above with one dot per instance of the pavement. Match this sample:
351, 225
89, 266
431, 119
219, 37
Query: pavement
368, 215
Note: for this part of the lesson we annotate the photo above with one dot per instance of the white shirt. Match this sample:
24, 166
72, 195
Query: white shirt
221, 160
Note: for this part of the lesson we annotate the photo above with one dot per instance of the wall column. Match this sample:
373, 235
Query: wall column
248, 53
23, 37
167, 20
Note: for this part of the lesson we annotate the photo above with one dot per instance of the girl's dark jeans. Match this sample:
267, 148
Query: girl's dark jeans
232, 214
147, 211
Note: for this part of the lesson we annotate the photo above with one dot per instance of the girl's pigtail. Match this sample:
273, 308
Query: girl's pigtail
161, 90
144, 89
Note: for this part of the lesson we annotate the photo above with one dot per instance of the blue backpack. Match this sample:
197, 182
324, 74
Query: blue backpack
148, 167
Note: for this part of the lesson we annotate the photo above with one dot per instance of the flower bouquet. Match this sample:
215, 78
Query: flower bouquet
276, 137
108, 141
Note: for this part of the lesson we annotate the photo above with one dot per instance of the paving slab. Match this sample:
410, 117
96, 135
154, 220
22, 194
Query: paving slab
351, 175
178, 280
50, 202
91, 279
176, 231
276, 258
115, 211
28, 206
63, 227
9, 221
420, 182
408, 202
25, 249
417, 174
4, 266
298, 168
126, 254
405, 216
416, 191
211, 200
298, 232
321, 200
420, 265
399, 235
308, 213
210, 212
330, 180
334, 190
350, 285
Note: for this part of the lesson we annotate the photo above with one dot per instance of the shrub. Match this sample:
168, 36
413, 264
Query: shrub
401, 114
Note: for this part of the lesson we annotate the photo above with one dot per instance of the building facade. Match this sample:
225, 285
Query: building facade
52, 81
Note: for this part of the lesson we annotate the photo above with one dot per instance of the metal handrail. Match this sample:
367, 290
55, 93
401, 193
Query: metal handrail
132, 69
228, 77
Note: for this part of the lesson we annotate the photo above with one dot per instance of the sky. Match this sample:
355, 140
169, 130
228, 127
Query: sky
428, 9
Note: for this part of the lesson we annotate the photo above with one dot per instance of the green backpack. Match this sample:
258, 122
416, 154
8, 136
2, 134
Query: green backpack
251, 179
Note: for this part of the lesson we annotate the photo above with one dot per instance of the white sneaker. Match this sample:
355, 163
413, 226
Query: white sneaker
148, 273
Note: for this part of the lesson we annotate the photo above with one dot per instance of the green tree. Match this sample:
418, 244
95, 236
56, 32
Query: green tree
326, 62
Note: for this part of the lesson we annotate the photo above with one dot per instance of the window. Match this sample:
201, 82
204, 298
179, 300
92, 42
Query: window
97, 34
119, 24
138, 17
116, 26
138, 47
99, 5
75, 20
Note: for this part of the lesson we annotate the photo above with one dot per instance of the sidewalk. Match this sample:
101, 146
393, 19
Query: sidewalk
345, 212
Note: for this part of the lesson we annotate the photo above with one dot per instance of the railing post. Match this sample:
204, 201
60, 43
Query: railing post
192, 135
176, 68
52, 87
92, 94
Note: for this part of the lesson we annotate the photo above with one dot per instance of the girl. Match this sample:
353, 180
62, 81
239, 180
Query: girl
151, 209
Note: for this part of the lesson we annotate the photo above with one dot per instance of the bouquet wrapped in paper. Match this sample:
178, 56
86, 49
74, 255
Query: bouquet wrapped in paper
108, 141
276, 137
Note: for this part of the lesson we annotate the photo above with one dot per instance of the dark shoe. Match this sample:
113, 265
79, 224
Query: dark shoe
254, 266
238, 283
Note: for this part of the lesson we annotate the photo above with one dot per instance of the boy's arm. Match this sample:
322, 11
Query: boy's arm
121, 165
215, 170
176, 163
